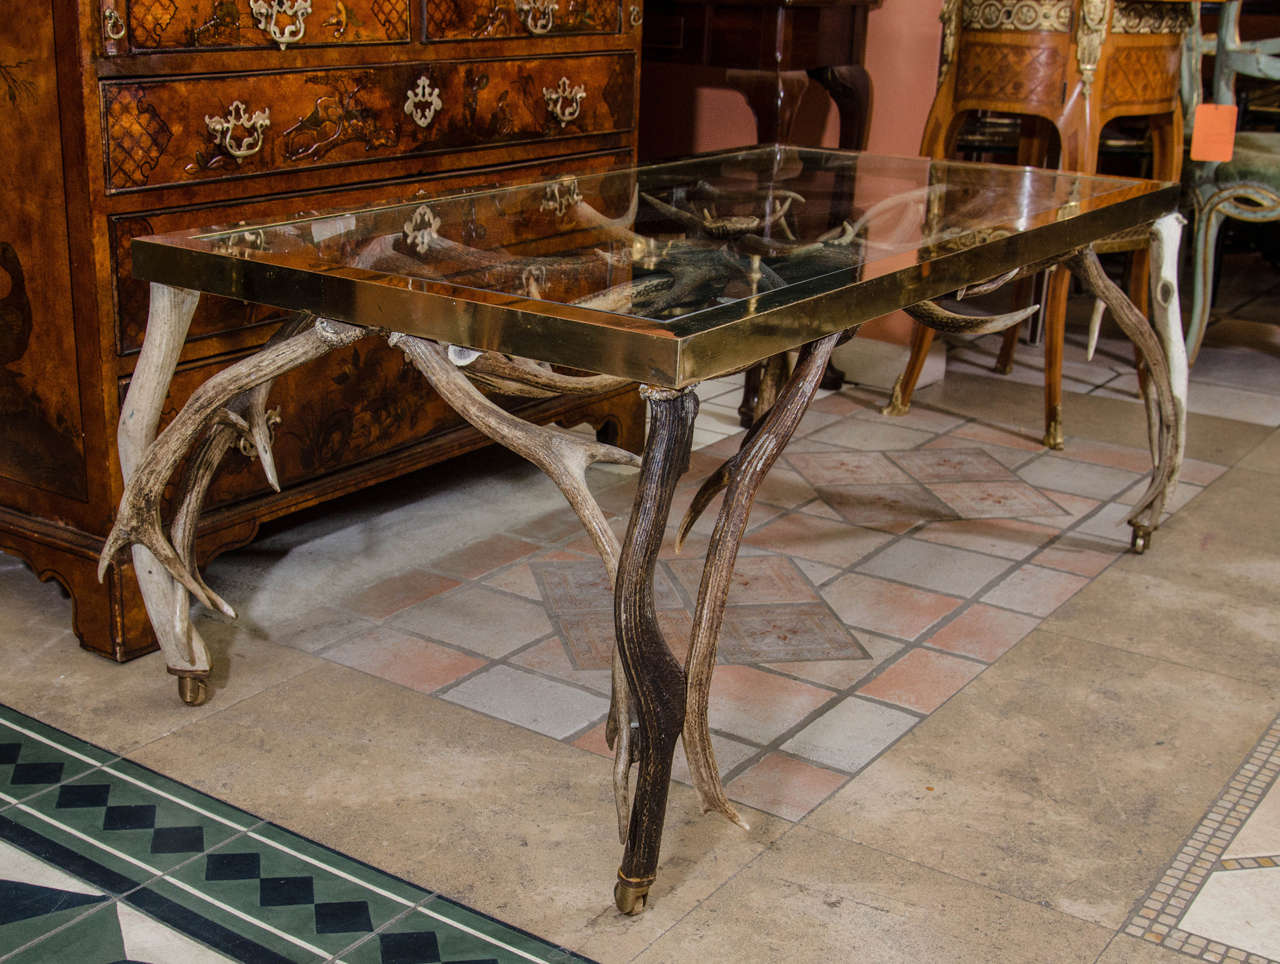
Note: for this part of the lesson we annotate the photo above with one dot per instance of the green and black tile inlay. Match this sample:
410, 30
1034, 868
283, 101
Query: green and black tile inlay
102, 860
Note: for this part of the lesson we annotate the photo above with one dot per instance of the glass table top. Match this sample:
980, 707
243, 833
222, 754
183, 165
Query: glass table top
668, 273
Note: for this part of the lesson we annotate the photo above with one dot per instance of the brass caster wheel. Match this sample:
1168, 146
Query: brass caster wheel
1139, 539
194, 690
630, 898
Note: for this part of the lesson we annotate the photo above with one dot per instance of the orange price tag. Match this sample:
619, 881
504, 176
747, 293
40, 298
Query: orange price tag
1214, 136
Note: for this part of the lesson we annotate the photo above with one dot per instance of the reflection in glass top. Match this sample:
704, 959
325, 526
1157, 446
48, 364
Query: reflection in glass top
671, 240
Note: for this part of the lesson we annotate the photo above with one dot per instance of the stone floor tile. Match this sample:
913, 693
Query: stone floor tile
956, 572
1074, 507
993, 500
474, 803
474, 560
729, 753
1264, 458
317, 629
579, 587
865, 435
757, 580
590, 638
1201, 473
719, 418
1007, 538
1238, 908
885, 505
850, 734
784, 488
478, 619
397, 592
531, 701
822, 540
823, 897
1260, 835
1116, 456
920, 417
951, 465
889, 608
1010, 458
1078, 478
921, 680
1182, 617
784, 786
847, 468
760, 706
995, 435
1035, 590
1108, 525
407, 660
1182, 493
983, 632
1124, 949
1030, 779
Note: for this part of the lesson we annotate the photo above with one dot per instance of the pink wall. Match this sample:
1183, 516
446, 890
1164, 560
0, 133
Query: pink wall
682, 113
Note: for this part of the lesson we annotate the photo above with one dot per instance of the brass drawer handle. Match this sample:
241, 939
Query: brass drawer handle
222, 129
422, 102
265, 13
565, 101
637, 15
113, 24
538, 16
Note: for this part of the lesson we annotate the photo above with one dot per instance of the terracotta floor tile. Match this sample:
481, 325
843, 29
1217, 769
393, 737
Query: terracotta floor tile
1199, 473
994, 435
1083, 556
1035, 590
551, 527
784, 786
398, 592
760, 706
876, 505
1074, 507
945, 569
550, 658
822, 540
951, 465
922, 680
1115, 456
984, 632
593, 741
407, 660
847, 468
838, 404
756, 580
850, 734
1007, 538
993, 500
518, 579
784, 488
1010, 458
473, 561
886, 607
920, 417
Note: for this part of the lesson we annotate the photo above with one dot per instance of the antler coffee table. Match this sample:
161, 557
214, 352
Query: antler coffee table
665, 275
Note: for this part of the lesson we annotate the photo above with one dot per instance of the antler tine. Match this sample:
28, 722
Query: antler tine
752, 462
713, 485
520, 370
144, 529
932, 315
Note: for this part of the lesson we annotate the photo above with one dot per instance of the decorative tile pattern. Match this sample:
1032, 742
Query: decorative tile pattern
120, 863
1217, 902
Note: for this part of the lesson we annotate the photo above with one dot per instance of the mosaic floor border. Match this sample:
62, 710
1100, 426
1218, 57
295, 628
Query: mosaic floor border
1160, 915
102, 859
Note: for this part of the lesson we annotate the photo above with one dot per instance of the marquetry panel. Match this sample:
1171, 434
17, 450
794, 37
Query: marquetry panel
163, 132
512, 19
1030, 76
1140, 75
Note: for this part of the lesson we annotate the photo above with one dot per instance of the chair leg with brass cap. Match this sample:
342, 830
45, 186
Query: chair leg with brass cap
193, 686
630, 895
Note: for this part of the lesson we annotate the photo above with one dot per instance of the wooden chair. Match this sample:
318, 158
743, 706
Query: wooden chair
1248, 186
1068, 67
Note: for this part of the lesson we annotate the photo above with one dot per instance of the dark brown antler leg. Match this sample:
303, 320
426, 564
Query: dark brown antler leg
657, 682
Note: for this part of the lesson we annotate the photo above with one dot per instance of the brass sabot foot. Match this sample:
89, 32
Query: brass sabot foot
630, 896
1053, 437
896, 406
193, 686
1140, 538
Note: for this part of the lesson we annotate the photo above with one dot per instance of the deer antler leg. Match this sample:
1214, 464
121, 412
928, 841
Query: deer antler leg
1165, 362
749, 468
656, 679
934, 316
565, 458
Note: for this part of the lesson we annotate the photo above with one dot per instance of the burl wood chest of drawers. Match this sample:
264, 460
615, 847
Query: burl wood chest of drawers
130, 117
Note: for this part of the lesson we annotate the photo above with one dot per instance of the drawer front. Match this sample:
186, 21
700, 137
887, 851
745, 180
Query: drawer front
160, 26
220, 316
166, 132
445, 20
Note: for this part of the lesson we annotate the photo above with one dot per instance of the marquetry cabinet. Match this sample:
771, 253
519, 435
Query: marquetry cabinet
132, 117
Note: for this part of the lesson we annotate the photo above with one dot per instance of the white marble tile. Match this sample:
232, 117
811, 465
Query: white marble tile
528, 700
851, 734
1238, 908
